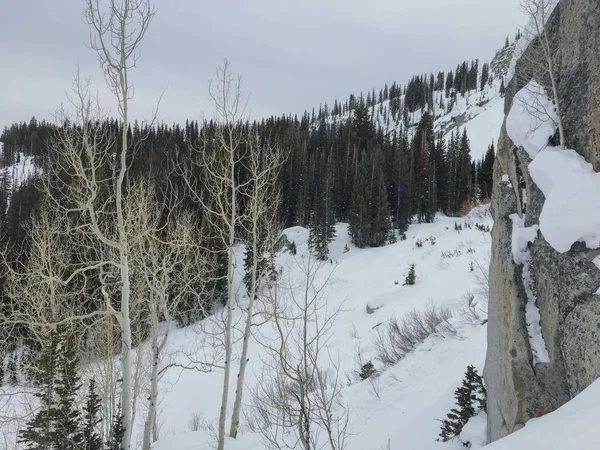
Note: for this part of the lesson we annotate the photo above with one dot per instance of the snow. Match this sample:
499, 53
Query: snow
531, 120
20, 171
475, 431
413, 394
568, 182
481, 112
572, 426
521, 237
483, 128
571, 188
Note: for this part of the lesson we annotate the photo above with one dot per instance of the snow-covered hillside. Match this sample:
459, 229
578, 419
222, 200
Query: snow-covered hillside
402, 406
19, 171
480, 112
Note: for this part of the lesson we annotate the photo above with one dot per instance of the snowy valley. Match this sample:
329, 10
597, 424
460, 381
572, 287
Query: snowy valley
417, 268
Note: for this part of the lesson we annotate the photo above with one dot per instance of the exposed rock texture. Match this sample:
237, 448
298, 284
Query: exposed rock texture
565, 284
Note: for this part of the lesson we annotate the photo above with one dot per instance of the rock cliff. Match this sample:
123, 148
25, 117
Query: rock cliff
565, 284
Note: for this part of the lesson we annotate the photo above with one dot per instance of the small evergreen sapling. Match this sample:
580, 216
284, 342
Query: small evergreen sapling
11, 369
411, 278
2, 357
367, 370
117, 431
471, 398
91, 419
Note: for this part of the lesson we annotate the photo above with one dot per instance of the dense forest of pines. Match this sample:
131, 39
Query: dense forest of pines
335, 170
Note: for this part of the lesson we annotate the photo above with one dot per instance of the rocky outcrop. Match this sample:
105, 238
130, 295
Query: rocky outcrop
565, 284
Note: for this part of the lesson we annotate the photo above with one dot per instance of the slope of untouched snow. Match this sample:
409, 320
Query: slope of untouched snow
572, 426
402, 406
483, 128
481, 112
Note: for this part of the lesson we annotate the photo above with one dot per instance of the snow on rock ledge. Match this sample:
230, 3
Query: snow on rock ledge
571, 187
521, 237
569, 183
531, 120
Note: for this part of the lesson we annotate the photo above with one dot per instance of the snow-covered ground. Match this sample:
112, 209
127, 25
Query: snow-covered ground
404, 405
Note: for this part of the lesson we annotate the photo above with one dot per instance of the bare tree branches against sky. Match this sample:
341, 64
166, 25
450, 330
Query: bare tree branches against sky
293, 54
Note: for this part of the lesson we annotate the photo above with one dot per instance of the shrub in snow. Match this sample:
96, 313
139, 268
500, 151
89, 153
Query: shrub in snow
397, 338
448, 254
419, 243
370, 309
411, 278
367, 370
471, 398
292, 247
346, 249
471, 312
432, 240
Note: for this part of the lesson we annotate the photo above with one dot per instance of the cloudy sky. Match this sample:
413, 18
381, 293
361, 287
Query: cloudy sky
293, 54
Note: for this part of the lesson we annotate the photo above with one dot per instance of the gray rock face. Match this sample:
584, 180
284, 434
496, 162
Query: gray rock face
565, 284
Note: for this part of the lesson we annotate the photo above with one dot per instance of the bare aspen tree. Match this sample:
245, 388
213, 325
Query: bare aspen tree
264, 163
538, 61
170, 263
116, 36
298, 397
219, 192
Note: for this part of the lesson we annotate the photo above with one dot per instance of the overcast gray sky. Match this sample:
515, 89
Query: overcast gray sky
293, 54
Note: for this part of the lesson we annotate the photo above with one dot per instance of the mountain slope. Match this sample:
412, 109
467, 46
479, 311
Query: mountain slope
401, 406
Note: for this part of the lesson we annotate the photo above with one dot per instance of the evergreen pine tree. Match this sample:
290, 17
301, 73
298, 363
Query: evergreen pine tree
56, 424
91, 438
411, 278
359, 226
464, 173
470, 399
11, 369
485, 75
2, 358
322, 221
37, 435
117, 431
380, 212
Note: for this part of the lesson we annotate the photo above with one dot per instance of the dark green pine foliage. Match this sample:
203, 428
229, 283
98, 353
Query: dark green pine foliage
91, 418
262, 265
441, 173
56, 424
2, 358
464, 174
485, 75
11, 369
404, 207
359, 225
471, 398
380, 225
322, 221
117, 431
37, 434
486, 173
424, 149
411, 277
